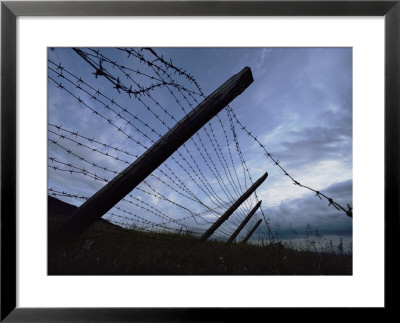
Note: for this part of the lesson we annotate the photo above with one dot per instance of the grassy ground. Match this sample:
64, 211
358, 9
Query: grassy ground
106, 249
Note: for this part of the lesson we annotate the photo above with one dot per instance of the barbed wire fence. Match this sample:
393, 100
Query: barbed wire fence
189, 191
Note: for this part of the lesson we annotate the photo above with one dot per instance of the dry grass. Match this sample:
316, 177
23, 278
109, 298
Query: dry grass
106, 249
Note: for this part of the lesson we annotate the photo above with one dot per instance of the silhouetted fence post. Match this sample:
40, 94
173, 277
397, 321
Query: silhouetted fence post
251, 231
241, 226
110, 194
234, 206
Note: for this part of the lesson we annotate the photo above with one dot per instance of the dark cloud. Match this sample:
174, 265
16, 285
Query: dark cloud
310, 210
313, 144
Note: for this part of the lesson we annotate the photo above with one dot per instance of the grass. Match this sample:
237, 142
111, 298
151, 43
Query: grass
106, 249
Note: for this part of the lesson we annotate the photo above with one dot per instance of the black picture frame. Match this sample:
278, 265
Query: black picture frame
10, 10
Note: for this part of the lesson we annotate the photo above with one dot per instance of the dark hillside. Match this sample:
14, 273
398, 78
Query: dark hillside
59, 211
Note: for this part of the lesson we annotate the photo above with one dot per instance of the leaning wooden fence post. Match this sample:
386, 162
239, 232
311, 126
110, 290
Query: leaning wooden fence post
251, 231
241, 226
232, 209
110, 194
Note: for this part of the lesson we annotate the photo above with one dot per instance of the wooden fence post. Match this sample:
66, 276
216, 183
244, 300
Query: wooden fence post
234, 206
251, 232
240, 227
110, 194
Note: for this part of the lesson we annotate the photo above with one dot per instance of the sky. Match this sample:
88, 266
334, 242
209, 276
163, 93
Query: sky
299, 106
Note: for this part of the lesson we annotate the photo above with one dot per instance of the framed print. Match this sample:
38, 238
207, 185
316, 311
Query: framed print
177, 154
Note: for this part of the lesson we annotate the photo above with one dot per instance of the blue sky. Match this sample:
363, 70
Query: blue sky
299, 106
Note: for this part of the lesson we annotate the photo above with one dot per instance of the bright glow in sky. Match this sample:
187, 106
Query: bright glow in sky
299, 106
